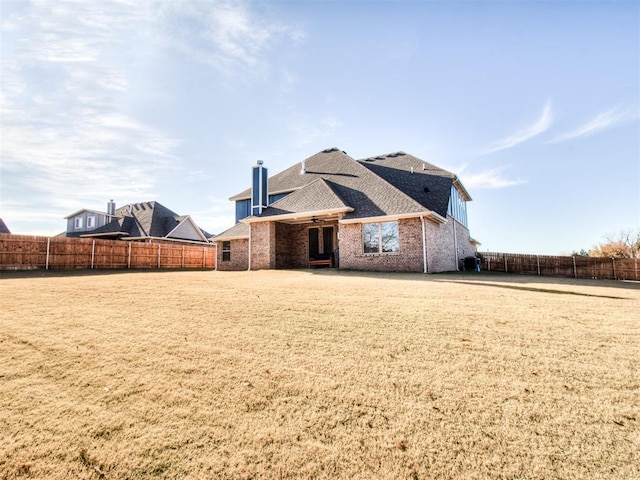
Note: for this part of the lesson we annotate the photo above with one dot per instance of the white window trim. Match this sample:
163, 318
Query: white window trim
77, 223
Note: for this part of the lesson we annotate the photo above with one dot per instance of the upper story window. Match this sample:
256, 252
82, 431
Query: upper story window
91, 222
457, 207
77, 223
380, 237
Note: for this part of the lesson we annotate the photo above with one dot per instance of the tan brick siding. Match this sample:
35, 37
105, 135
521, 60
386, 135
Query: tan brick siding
441, 248
409, 259
263, 245
239, 256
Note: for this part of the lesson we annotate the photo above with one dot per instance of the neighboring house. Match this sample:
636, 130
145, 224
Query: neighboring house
144, 221
3, 227
392, 212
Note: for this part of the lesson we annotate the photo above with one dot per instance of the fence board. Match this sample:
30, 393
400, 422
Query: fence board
26, 252
561, 266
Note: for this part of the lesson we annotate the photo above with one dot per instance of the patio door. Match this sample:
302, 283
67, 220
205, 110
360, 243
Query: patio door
320, 241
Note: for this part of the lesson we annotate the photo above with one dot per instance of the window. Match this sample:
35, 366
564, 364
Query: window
77, 223
91, 222
457, 206
380, 237
226, 251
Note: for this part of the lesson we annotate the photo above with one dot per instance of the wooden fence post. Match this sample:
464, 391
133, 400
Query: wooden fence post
613, 262
46, 267
182, 256
93, 253
538, 263
129, 256
489, 264
204, 258
575, 272
505, 264
158, 255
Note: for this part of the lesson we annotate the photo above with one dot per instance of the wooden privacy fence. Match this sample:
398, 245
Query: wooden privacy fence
23, 252
576, 267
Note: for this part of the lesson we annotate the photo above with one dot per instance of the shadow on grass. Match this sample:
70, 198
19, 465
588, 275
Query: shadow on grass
494, 279
532, 289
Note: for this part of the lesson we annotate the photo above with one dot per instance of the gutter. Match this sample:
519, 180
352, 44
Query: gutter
389, 218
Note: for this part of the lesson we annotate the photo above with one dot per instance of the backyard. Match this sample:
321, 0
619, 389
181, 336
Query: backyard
317, 374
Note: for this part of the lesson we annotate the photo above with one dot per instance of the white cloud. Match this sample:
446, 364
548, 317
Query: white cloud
540, 125
224, 34
603, 121
69, 138
491, 179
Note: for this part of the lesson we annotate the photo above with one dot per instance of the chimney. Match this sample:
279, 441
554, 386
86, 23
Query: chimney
111, 208
303, 170
259, 189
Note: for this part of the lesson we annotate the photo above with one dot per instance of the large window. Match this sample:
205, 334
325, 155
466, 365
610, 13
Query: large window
91, 222
77, 223
380, 237
457, 207
226, 251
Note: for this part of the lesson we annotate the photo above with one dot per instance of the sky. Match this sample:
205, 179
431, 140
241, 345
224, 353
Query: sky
535, 106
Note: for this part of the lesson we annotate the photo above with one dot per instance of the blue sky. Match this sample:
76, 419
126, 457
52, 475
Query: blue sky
534, 105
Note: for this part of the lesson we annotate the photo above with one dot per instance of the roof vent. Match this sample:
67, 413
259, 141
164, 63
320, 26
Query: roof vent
303, 170
426, 189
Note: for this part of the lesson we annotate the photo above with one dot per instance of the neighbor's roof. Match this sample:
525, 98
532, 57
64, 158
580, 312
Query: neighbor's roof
3, 227
392, 184
144, 219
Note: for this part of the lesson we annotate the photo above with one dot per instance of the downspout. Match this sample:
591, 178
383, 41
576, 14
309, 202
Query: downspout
455, 246
424, 246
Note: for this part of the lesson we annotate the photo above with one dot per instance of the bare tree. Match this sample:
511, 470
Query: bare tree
624, 245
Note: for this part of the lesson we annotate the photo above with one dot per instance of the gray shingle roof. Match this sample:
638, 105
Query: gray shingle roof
424, 182
318, 195
378, 186
239, 230
144, 219
3, 227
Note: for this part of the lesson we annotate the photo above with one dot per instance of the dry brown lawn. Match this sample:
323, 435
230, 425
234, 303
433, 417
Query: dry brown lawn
318, 374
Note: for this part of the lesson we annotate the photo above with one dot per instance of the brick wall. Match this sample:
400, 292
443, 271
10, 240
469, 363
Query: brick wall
239, 256
263, 245
441, 249
291, 246
409, 259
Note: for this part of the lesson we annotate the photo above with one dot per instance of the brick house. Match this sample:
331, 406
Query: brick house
392, 212
142, 221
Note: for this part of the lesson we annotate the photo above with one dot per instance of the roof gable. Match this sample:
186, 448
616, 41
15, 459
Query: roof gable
319, 195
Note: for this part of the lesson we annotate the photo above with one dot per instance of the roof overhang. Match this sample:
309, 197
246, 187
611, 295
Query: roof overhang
301, 217
85, 210
224, 238
166, 239
428, 215
106, 234
463, 191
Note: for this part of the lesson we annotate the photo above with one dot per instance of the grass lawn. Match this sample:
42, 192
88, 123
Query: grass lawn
318, 374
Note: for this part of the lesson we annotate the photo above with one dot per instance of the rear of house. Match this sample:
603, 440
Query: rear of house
392, 212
